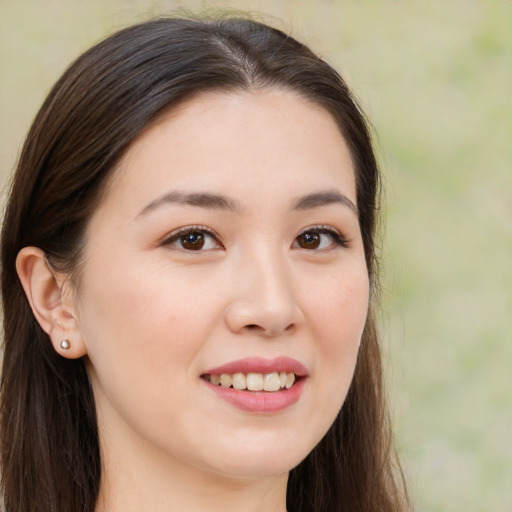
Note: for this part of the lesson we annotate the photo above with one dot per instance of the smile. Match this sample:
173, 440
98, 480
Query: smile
253, 381
257, 385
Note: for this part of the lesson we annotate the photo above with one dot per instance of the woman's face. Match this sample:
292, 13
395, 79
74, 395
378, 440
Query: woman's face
227, 243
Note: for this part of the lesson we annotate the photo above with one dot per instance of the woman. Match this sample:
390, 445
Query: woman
189, 284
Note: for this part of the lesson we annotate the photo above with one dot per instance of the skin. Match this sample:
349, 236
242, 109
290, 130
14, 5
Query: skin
152, 316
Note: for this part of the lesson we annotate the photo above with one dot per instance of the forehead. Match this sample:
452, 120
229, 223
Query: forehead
237, 142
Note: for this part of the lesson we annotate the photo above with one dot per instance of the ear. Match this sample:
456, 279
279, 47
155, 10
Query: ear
53, 308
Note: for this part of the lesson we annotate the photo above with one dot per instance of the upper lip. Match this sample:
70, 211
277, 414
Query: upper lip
261, 365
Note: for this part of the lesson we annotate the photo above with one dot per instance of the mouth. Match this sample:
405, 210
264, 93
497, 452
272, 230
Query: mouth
253, 381
257, 384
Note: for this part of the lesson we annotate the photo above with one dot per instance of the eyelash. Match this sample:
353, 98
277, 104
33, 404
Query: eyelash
339, 240
175, 236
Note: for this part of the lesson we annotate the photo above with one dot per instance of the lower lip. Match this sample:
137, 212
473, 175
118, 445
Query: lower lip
262, 402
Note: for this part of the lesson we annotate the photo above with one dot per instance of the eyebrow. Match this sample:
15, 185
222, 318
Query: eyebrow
219, 202
323, 198
201, 199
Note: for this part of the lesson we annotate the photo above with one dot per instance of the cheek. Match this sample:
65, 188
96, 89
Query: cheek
338, 319
144, 307
339, 311
143, 334
141, 326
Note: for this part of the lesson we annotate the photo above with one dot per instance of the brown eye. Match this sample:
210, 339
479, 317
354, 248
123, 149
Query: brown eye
320, 238
310, 240
193, 241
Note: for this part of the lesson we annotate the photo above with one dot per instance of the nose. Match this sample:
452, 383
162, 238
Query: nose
264, 299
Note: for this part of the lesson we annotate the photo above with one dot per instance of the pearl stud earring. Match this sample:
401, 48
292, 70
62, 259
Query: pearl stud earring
65, 344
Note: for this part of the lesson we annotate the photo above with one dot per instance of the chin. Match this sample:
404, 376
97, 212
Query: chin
259, 469
263, 458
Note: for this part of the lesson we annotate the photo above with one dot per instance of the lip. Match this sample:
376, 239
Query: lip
261, 402
261, 365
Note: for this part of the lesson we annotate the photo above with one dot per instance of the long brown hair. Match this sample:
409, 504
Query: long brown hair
50, 454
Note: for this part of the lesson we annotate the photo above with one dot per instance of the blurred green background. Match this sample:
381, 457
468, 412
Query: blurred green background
435, 78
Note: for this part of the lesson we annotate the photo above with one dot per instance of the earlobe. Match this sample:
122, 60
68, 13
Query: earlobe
54, 312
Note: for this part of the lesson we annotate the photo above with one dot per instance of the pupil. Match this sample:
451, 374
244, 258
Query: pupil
193, 241
310, 240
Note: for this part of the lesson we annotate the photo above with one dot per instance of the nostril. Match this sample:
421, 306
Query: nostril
254, 329
270, 331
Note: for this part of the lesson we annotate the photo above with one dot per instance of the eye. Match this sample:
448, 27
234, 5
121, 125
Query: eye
193, 238
319, 238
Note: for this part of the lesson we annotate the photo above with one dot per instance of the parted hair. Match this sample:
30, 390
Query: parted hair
50, 454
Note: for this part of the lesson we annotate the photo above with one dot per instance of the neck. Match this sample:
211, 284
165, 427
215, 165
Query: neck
140, 481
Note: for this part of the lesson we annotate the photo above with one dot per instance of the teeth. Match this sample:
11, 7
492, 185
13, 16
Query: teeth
254, 381
271, 382
226, 380
239, 381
